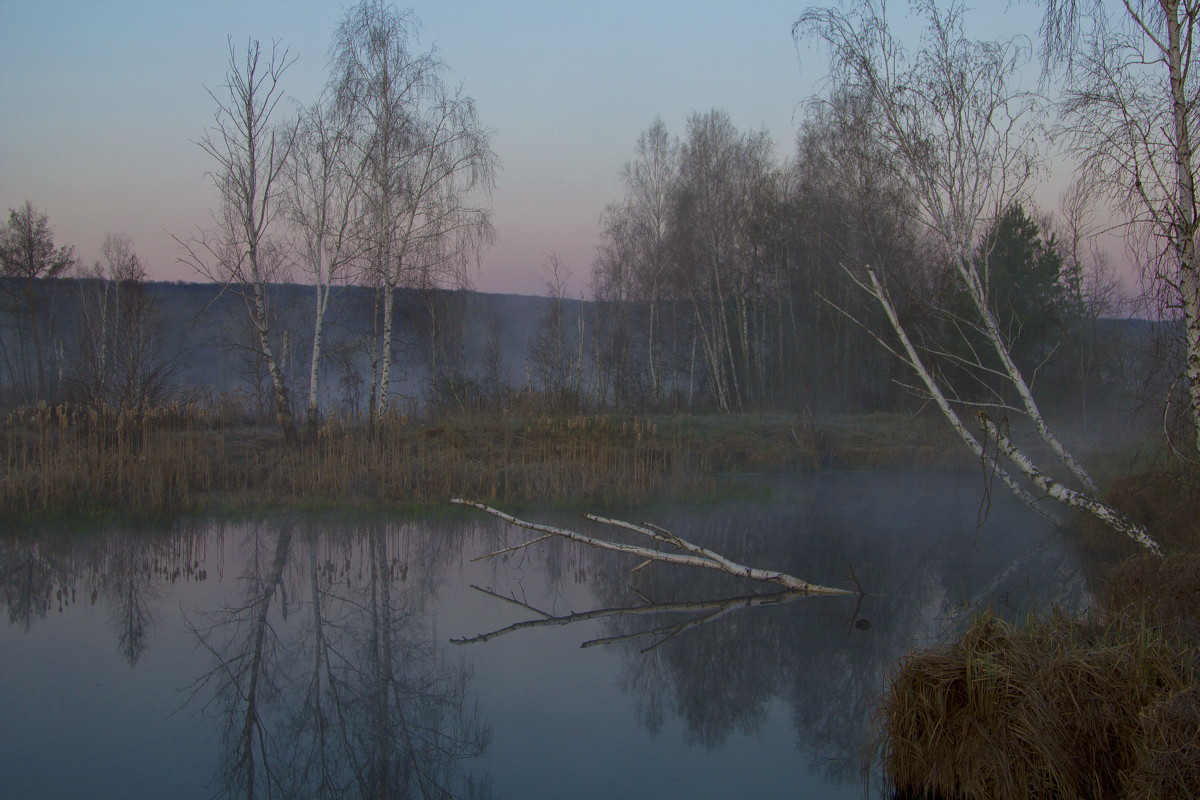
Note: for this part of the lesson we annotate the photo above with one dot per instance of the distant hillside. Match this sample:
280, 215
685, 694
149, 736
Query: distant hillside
204, 330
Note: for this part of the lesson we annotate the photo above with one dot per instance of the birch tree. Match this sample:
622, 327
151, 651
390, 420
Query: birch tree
1131, 108
715, 264
959, 133
634, 256
249, 154
323, 206
425, 157
848, 208
120, 359
549, 349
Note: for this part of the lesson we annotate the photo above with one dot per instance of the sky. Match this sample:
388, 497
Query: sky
104, 101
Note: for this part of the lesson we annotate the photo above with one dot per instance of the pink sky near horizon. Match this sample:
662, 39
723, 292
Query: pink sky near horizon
105, 100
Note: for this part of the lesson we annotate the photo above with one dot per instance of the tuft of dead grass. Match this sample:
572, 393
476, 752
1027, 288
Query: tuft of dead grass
1106, 706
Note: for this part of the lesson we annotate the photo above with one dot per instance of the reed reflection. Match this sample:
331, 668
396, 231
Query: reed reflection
125, 571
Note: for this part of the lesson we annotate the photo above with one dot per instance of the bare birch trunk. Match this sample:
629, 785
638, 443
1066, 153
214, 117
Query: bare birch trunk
713, 358
652, 358
385, 346
322, 290
373, 351
726, 355
682, 552
283, 408
1186, 222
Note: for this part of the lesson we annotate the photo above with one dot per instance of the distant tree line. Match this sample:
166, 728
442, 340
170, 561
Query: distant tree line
723, 282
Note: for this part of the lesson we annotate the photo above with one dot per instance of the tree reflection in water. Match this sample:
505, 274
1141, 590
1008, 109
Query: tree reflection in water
327, 676
817, 657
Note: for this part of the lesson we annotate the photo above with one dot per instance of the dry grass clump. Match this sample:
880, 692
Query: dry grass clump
884, 441
768, 442
73, 458
1169, 758
1162, 593
1107, 706
549, 457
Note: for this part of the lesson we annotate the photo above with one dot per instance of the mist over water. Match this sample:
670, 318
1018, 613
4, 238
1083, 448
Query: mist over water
314, 656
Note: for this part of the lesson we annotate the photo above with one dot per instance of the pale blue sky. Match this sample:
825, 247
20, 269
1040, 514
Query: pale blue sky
101, 99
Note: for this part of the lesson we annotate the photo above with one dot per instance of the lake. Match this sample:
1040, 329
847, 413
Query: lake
313, 656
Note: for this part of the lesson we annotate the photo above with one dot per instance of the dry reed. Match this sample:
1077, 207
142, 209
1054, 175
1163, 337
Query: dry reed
68, 460
71, 460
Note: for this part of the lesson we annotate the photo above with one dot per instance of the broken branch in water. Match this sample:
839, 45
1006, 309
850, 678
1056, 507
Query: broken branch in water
692, 555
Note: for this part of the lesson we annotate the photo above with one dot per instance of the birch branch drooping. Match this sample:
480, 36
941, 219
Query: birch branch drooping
692, 556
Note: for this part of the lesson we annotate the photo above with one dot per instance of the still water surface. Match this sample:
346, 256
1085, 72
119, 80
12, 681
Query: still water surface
306, 657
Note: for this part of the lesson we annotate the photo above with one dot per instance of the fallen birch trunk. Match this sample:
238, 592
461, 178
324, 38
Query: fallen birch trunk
1067, 496
692, 555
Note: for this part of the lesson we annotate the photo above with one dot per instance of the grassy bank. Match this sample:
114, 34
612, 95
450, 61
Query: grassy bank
73, 461
1104, 706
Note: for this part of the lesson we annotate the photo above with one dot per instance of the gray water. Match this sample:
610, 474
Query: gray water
310, 656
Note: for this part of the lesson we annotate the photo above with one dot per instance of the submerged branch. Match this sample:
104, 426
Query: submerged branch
693, 555
706, 611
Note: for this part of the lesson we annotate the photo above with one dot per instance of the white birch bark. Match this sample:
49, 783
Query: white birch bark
1065, 495
323, 206
960, 131
314, 375
251, 155
975, 287
1187, 223
262, 326
385, 352
1129, 110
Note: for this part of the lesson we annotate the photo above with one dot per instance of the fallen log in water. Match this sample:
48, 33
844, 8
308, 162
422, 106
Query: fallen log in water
684, 553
